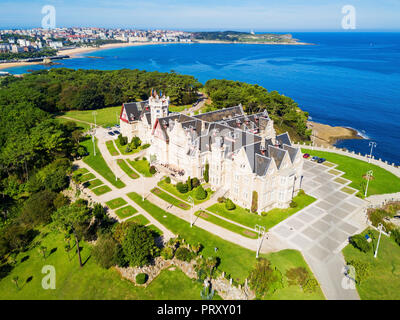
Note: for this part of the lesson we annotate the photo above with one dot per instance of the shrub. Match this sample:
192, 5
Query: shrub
195, 182
128, 149
181, 187
168, 180
200, 193
362, 269
229, 205
141, 278
122, 140
105, 251
310, 286
206, 172
297, 276
396, 235
293, 204
152, 169
358, 241
189, 184
301, 192
144, 159
167, 253
221, 199
184, 254
145, 146
264, 214
135, 143
254, 202
264, 278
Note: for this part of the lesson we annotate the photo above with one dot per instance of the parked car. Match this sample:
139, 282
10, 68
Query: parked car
321, 160
314, 158
117, 126
306, 156
111, 133
116, 132
108, 128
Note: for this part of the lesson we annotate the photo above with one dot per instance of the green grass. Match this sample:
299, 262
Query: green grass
80, 171
383, 182
87, 177
235, 260
173, 108
141, 166
125, 212
90, 282
170, 199
227, 225
98, 164
93, 184
111, 148
123, 148
116, 203
384, 282
101, 190
105, 117
140, 219
272, 217
127, 169
79, 125
184, 196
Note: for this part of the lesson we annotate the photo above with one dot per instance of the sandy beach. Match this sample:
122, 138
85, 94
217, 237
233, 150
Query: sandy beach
326, 135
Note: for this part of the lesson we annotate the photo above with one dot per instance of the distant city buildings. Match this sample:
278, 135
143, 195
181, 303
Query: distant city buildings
30, 40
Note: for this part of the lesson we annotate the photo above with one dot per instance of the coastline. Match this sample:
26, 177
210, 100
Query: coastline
326, 135
76, 52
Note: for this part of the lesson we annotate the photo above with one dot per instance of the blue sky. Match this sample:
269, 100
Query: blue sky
261, 15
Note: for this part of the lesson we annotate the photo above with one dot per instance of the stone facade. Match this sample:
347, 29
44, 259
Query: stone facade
244, 154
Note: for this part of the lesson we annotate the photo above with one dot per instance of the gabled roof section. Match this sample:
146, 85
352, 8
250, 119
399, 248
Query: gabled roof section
218, 115
292, 151
135, 109
277, 154
261, 164
283, 139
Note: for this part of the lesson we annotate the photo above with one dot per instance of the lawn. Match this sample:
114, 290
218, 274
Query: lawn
111, 148
384, 282
141, 166
93, 183
101, 190
234, 260
79, 125
227, 225
184, 196
140, 219
170, 199
90, 282
272, 217
125, 212
98, 164
105, 117
173, 108
116, 203
157, 231
383, 182
86, 177
127, 169
123, 148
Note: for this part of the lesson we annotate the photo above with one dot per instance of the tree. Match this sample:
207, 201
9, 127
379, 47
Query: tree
200, 193
206, 172
254, 202
358, 241
135, 143
138, 245
182, 187
264, 278
184, 254
105, 251
229, 205
189, 184
68, 219
297, 276
38, 208
211, 263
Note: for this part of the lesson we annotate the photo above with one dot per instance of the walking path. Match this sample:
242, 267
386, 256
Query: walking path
319, 231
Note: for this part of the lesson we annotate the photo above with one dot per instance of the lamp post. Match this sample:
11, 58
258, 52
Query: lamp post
368, 176
191, 201
372, 145
380, 227
94, 113
261, 231
94, 144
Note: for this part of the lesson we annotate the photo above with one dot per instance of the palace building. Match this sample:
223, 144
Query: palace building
243, 152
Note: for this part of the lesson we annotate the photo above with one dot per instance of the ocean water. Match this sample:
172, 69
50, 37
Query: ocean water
344, 79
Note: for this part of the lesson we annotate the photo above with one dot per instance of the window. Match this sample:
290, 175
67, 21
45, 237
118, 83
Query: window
283, 180
236, 190
281, 195
246, 195
236, 177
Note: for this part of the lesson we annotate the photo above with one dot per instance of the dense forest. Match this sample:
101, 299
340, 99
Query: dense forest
47, 52
61, 89
283, 110
235, 36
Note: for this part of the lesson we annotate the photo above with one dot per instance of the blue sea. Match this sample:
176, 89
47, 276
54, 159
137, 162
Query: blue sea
344, 79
